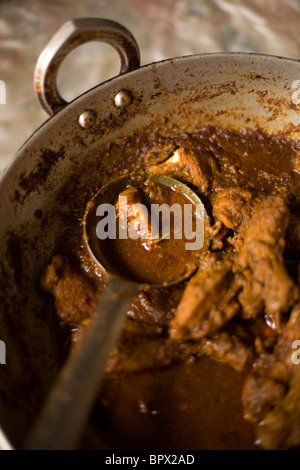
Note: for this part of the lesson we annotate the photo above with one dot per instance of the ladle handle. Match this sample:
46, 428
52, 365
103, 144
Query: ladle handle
63, 418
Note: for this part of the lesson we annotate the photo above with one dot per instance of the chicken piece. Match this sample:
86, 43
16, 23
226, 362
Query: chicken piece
141, 348
232, 210
251, 295
156, 306
233, 207
271, 393
208, 302
265, 280
184, 166
134, 218
75, 294
228, 348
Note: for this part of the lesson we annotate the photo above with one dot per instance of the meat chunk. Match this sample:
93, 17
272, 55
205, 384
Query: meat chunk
265, 280
255, 283
75, 294
184, 166
143, 347
156, 306
271, 392
218, 233
208, 302
134, 218
233, 207
228, 348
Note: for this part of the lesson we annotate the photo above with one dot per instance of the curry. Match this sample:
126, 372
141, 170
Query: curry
207, 363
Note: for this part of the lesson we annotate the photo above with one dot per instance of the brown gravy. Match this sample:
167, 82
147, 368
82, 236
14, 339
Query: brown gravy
195, 406
161, 393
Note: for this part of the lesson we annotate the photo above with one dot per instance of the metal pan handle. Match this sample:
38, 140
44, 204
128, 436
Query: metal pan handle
71, 35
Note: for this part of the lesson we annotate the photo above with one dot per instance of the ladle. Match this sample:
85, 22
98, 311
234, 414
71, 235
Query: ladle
67, 408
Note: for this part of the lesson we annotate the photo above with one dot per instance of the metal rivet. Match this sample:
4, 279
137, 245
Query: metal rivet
123, 99
87, 118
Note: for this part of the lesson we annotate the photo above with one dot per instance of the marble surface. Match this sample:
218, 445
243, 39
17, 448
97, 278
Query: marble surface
163, 29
